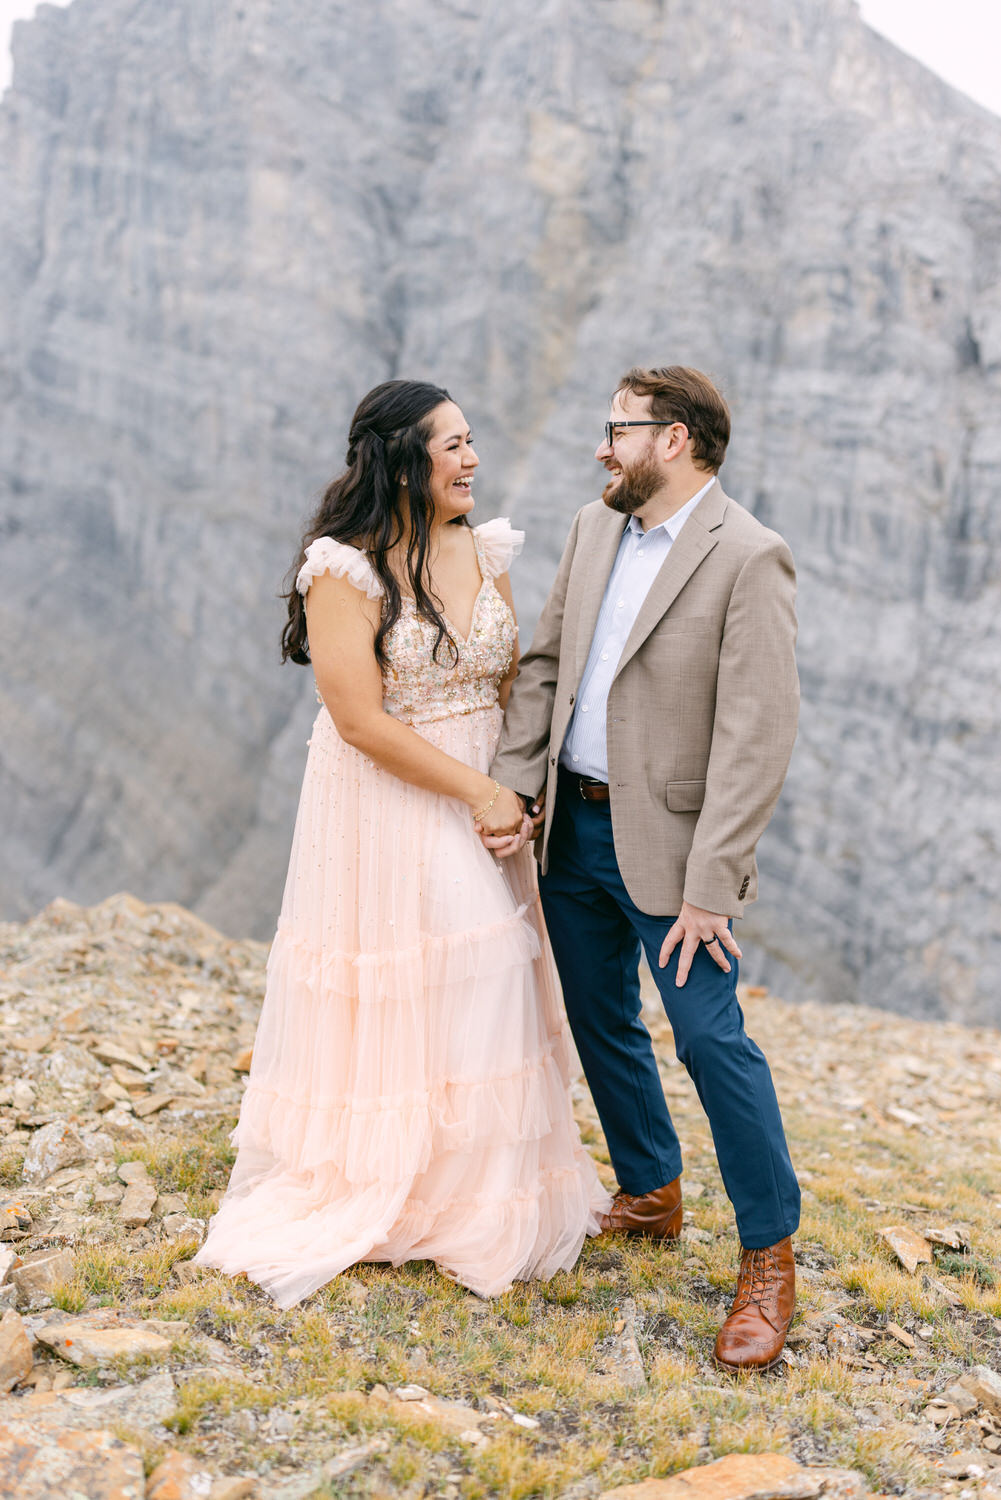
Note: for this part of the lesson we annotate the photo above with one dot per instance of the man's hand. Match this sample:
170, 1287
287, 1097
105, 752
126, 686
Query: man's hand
695, 926
537, 812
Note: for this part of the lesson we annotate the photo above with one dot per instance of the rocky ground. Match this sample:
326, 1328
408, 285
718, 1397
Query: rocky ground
126, 1372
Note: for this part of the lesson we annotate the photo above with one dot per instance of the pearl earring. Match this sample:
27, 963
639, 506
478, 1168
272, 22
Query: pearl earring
403, 479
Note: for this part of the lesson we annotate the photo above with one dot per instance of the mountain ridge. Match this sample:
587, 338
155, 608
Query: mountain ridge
219, 231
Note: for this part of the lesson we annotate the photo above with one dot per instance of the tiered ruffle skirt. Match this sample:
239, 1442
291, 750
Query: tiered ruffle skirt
409, 1091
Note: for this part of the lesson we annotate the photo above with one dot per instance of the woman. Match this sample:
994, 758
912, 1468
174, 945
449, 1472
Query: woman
408, 1097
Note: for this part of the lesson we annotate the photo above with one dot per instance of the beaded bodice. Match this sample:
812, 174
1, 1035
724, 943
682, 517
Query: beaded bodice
417, 688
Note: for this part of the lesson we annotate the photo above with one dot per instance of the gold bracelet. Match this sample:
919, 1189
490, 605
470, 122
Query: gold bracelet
484, 810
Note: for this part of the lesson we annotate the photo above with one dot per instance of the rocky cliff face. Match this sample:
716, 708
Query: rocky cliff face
222, 223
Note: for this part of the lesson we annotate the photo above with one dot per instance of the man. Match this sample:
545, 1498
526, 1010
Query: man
649, 729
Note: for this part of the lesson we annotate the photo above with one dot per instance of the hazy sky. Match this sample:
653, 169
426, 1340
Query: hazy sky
961, 39
11, 11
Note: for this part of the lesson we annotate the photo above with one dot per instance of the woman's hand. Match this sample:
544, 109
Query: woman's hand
503, 848
504, 816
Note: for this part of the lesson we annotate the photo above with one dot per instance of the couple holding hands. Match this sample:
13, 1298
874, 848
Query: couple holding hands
409, 1092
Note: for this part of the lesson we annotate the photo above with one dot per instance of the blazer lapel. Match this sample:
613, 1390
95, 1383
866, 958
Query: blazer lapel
695, 541
600, 562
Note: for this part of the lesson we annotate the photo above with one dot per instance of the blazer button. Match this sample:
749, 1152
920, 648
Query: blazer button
571, 700
552, 760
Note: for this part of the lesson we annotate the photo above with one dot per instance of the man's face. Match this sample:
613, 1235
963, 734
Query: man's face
631, 459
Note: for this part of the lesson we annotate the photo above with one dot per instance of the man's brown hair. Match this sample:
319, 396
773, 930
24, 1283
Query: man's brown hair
680, 394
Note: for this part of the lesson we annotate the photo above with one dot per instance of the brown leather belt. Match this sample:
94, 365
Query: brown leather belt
589, 789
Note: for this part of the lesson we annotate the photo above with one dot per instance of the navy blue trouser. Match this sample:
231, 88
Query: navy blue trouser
596, 931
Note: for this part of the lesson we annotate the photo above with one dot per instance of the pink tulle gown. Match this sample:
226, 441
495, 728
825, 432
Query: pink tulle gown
408, 1097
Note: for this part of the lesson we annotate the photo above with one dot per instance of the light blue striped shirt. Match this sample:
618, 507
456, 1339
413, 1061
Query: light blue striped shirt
640, 557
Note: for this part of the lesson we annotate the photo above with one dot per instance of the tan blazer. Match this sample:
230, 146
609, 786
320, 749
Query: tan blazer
701, 712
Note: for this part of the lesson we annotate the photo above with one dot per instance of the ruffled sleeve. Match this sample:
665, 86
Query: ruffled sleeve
496, 544
337, 558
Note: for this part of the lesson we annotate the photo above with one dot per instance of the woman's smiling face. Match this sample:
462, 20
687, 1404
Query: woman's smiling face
453, 462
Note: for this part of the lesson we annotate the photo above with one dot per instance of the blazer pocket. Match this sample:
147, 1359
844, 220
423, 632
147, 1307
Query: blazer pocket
685, 796
684, 625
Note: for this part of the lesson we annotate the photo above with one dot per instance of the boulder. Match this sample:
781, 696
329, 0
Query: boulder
148, 1404
37, 1277
910, 1248
984, 1385
178, 1477
54, 1146
40, 1463
81, 1343
748, 1476
15, 1351
136, 1206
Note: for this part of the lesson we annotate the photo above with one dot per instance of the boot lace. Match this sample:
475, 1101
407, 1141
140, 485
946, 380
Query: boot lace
758, 1273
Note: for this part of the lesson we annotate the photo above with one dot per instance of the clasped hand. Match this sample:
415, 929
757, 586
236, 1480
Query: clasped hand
503, 819
503, 842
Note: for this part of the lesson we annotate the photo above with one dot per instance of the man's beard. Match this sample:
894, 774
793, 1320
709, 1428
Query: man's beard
635, 488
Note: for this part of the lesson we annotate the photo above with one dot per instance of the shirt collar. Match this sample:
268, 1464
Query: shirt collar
674, 523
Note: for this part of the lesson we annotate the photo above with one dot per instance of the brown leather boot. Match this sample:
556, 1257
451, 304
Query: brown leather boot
657, 1215
753, 1335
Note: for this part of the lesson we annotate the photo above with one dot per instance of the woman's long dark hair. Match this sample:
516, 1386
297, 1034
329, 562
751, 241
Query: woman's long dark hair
387, 441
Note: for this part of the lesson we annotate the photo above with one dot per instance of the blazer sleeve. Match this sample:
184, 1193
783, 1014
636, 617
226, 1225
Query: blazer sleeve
754, 729
522, 755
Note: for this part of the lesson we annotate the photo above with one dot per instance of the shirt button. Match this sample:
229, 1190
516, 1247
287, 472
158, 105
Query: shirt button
604, 656
620, 604
584, 707
576, 757
641, 553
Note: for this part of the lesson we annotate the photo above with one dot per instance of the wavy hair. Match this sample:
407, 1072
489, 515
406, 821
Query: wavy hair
366, 507
680, 394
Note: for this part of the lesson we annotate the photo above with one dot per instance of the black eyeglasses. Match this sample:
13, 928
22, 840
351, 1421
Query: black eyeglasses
611, 428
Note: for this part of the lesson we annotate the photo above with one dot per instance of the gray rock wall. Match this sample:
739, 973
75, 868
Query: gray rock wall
222, 222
